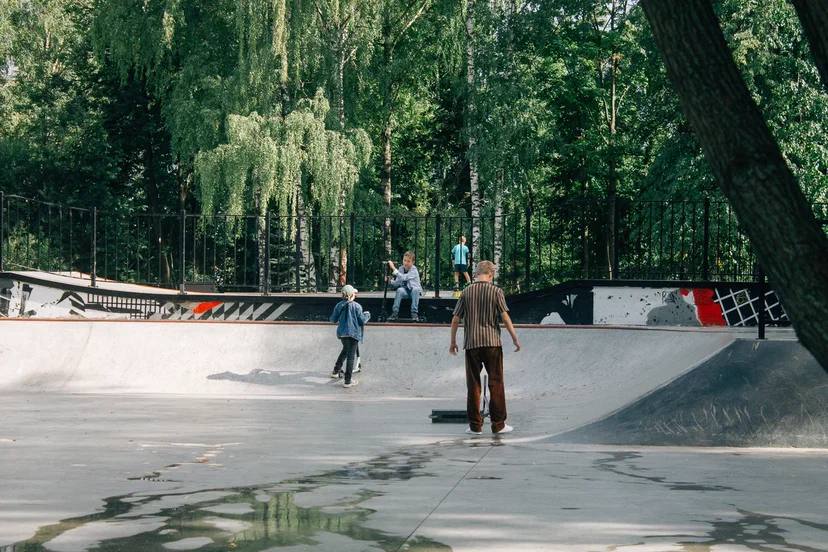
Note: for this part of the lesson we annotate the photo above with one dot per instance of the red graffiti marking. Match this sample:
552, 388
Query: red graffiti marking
708, 311
204, 307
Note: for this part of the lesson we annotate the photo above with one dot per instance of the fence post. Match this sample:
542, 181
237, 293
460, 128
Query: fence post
438, 223
298, 253
71, 241
183, 252
267, 253
706, 241
527, 246
2, 228
94, 262
349, 269
760, 275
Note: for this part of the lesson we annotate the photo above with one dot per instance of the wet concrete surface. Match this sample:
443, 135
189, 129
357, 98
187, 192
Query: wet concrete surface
81, 472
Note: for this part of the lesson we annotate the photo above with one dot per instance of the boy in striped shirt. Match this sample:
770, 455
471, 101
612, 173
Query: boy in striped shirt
481, 307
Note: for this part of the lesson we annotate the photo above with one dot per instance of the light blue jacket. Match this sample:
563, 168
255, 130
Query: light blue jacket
409, 280
460, 254
350, 319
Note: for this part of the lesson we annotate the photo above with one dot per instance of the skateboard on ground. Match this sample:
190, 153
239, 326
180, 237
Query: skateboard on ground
460, 416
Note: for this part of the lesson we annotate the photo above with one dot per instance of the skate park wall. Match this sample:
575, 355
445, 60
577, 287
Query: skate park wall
593, 370
750, 394
41, 295
599, 385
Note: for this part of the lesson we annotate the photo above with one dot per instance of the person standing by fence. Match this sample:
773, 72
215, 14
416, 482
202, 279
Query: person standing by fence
481, 307
460, 260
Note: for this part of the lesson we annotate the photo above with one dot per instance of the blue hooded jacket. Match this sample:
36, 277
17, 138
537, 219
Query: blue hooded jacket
350, 319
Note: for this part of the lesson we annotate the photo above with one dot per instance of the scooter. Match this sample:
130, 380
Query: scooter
383, 316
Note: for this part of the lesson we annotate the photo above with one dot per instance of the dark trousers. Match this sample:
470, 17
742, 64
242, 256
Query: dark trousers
350, 347
492, 359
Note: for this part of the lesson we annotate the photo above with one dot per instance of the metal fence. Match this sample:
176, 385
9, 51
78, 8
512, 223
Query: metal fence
572, 239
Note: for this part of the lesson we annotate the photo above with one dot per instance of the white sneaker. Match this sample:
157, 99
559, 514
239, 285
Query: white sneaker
351, 384
471, 432
336, 375
506, 429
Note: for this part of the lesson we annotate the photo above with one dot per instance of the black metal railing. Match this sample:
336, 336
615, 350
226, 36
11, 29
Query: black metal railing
571, 239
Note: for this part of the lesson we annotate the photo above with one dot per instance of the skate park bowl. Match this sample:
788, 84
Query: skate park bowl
122, 435
595, 385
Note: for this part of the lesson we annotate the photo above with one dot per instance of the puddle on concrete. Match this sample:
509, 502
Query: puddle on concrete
325, 511
613, 464
753, 531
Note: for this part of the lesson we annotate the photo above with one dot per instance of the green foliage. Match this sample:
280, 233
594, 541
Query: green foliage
234, 105
271, 159
770, 48
51, 105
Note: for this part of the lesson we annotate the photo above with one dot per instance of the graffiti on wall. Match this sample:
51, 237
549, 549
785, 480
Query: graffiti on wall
659, 306
23, 300
30, 300
221, 310
572, 303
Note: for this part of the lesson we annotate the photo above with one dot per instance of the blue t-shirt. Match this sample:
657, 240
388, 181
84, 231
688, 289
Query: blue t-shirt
460, 254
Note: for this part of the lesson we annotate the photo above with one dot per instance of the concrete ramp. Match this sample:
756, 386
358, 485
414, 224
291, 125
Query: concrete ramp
564, 377
752, 393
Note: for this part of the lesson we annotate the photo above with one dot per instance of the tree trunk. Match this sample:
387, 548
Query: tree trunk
280, 33
387, 100
337, 248
261, 242
340, 86
392, 31
474, 186
747, 163
151, 189
813, 14
612, 198
294, 56
333, 256
612, 182
386, 183
307, 272
498, 233
585, 237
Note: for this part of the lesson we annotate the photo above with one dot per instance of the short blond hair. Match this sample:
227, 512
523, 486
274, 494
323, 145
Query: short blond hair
409, 255
486, 267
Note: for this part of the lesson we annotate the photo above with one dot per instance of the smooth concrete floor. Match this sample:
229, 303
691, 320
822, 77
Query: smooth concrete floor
81, 472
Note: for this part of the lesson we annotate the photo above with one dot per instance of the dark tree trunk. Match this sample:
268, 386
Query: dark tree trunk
387, 101
813, 14
385, 178
151, 189
747, 162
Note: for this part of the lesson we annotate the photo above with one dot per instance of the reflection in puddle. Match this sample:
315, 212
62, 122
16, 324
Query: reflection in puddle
326, 511
753, 531
618, 460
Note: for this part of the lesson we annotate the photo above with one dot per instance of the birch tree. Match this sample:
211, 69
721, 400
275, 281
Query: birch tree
397, 19
346, 26
291, 162
471, 132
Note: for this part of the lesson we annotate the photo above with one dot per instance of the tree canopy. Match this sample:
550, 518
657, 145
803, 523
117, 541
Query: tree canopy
239, 105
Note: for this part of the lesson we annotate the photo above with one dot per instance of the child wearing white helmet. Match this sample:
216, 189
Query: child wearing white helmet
350, 320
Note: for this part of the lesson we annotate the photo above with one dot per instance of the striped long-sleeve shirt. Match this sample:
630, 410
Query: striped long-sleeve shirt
480, 307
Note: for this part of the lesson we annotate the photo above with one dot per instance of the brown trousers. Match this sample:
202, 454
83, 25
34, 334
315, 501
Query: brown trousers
492, 359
